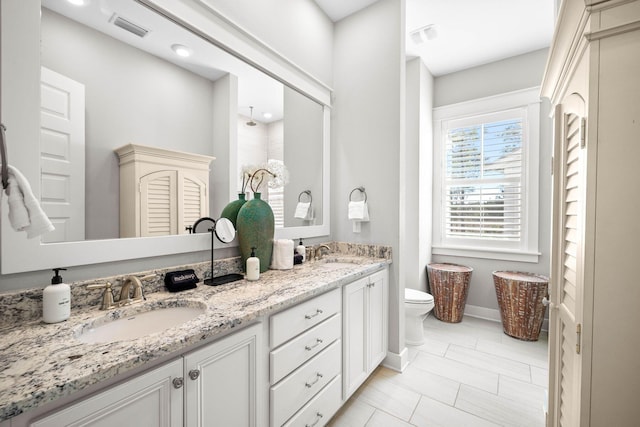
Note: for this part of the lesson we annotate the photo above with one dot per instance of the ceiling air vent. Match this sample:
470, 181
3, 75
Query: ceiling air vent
125, 24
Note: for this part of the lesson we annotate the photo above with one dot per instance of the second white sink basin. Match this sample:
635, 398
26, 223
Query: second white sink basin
137, 325
335, 265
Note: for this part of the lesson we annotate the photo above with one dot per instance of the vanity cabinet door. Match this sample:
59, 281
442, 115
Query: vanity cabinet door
354, 310
221, 381
365, 312
150, 399
378, 305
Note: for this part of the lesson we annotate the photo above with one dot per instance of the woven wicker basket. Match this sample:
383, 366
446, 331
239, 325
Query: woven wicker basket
520, 300
449, 284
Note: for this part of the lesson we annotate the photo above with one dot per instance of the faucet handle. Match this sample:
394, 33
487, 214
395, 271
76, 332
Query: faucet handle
107, 295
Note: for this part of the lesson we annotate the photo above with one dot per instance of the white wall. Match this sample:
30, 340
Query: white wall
368, 133
297, 29
303, 129
419, 176
225, 142
520, 72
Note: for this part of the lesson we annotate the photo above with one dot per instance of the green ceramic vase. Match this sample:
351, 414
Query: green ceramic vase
231, 210
255, 224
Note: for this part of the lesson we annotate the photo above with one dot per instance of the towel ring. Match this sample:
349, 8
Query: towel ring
308, 193
3, 152
360, 189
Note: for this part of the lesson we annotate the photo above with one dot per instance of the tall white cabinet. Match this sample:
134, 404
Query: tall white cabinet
161, 191
592, 81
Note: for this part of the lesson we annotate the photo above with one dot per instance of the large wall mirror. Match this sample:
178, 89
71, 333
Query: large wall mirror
136, 86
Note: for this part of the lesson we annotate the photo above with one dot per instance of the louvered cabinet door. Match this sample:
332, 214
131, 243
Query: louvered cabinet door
193, 200
158, 204
567, 270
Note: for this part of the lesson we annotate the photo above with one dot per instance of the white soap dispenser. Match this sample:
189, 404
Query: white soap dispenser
253, 266
301, 250
56, 300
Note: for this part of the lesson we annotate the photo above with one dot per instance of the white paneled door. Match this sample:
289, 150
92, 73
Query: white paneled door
567, 282
62, 147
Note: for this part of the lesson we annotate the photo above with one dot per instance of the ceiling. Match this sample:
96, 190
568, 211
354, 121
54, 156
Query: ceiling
469, 32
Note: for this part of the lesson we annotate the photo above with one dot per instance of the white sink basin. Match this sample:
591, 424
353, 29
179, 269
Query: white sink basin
336, 265
136, 325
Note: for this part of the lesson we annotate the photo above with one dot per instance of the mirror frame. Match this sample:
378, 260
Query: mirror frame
20, 112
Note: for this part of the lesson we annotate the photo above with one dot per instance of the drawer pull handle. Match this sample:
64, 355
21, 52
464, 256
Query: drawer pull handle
178, 382
318, 376
311, 347
311, 316
194, 374
318, 418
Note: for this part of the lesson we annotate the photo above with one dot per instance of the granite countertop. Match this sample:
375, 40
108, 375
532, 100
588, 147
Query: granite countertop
43, 362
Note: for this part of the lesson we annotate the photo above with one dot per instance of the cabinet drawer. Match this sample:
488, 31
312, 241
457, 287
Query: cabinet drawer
290, 394
291, 322
294, 353
321, 408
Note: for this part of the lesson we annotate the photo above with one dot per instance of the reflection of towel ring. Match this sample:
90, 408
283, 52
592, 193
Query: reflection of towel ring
360, 189
308, 193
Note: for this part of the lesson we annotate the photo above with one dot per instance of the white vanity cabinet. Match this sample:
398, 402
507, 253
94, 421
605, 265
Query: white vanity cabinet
222, 381
365, 310
305, 362
150, 399
216, 385
161, 191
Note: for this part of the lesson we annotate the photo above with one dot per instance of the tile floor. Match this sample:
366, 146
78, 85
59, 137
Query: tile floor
466, 374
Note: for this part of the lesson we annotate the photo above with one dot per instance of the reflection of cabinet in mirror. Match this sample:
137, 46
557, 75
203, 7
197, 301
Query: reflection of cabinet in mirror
161, 191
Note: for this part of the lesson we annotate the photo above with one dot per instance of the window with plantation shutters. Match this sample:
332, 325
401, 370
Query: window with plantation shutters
486, 185
483, 184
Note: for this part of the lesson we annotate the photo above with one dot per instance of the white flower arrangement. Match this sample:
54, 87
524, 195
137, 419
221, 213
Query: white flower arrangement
274, 174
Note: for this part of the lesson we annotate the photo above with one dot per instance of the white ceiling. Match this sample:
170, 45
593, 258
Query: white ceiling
470, 32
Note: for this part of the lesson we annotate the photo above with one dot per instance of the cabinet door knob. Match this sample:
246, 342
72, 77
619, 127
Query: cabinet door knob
318, 376
311, 316
318, 418
311, 347
178, 382
194, 374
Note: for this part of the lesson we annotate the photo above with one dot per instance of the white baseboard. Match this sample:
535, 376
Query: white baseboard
492, 314
397, 362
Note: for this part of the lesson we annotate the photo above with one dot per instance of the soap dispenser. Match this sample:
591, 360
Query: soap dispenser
56, 300
253, 266
301, 250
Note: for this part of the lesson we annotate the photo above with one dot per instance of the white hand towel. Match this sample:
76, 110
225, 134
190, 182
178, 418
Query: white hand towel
359, 211
303, 210
282, 258
25, 213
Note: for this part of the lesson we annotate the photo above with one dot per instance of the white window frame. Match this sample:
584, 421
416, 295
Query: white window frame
527, 249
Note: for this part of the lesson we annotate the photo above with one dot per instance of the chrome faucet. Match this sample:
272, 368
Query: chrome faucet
318, 251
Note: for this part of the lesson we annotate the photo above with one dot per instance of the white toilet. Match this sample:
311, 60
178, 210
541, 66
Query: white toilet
417, 305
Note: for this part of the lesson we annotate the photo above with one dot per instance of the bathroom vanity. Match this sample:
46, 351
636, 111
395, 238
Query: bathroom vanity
261, 353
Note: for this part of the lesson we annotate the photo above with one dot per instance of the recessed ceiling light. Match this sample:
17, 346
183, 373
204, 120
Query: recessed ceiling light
424, 34
267, 115
181, 50
77, 2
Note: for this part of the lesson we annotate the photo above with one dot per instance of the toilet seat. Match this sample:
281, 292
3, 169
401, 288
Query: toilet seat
412, 296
